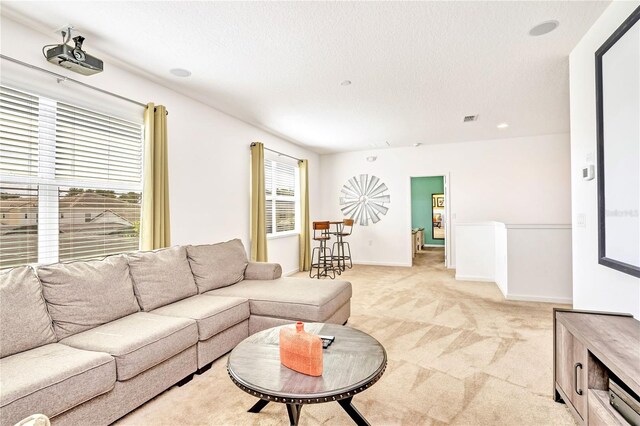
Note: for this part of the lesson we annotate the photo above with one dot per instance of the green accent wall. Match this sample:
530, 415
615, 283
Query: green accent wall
421, 205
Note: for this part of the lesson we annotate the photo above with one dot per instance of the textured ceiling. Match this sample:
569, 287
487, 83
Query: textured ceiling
417, 67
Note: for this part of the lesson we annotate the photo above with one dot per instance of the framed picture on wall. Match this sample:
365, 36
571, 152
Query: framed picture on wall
618, 136
437, 214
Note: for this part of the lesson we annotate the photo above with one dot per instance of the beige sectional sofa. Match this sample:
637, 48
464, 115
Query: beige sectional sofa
86, 342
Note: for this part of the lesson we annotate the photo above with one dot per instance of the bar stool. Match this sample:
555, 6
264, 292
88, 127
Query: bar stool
342, 258
324, 263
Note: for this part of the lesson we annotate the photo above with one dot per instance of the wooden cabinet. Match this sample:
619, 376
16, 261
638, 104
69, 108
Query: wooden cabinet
571, 372
417, 240
420, 239
589, 349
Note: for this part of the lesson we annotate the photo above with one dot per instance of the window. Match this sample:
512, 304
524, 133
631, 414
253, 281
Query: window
282, 197
70, 181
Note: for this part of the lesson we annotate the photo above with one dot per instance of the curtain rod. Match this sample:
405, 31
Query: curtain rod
279, 153
64, 78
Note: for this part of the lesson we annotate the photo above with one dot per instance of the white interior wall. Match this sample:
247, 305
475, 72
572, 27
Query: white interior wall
527, 262
539, 263
594, 286
501, 260
514, 181
477, 247
208, 151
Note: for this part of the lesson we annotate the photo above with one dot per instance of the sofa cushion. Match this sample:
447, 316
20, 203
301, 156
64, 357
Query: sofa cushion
51, 379
217, 265
161, 277
213, 314
138, 341
24, 321
301, 299
82, 295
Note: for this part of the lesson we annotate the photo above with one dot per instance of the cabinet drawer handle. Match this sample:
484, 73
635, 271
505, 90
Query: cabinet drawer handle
575, 377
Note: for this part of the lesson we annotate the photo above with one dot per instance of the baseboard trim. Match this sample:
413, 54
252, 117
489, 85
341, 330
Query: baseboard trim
291, 272
368, 263
543, 299
538, 226
472, 278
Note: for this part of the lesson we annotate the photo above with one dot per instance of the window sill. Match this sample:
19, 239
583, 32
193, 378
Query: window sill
283, 235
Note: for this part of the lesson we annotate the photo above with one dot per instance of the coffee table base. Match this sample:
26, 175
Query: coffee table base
258, 406
293, 410
353, 412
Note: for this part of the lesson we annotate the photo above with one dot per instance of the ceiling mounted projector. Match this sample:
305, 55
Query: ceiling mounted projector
73, 58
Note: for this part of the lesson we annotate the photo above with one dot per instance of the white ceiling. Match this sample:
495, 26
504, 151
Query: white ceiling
417, 67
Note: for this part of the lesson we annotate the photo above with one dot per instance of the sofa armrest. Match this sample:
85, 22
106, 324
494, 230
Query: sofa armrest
262, 271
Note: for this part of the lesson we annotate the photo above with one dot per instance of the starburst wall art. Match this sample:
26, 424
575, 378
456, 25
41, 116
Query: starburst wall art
365, 199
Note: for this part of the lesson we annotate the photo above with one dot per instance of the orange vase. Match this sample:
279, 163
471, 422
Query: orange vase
301, 351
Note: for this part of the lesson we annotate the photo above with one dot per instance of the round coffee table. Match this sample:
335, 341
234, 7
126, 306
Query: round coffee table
351, 364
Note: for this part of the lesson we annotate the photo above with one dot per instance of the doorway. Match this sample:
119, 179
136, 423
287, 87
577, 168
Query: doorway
429, 219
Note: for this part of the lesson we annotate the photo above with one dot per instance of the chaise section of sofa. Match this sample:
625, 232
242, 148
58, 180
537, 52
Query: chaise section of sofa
286, 300
273, 300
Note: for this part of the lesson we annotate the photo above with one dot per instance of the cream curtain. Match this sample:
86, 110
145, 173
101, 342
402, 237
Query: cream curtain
305, 241
258, 203
154, 225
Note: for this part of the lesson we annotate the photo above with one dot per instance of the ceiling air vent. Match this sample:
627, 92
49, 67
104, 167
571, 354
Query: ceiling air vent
468, 118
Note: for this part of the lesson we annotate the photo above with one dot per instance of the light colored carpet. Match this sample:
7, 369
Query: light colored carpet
459, 354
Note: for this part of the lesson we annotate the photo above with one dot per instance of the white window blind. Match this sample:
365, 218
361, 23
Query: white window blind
282, 196
18, 133
18, 224
92, 146
70, 179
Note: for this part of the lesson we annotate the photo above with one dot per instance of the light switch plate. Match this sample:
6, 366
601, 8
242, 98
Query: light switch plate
581, 220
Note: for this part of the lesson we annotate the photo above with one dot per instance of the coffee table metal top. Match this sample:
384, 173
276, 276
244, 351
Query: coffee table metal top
352, 363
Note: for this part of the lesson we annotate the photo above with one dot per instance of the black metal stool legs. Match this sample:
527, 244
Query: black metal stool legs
348, 257
324, 265
340, 256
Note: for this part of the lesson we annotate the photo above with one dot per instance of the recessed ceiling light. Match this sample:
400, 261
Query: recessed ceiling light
180, 72
372, 158
346, 83
502, 126
417, 144
543, 28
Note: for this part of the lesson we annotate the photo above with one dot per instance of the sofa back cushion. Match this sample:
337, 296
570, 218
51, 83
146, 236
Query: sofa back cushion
82, 295
217, 265
161, 277
24, 321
